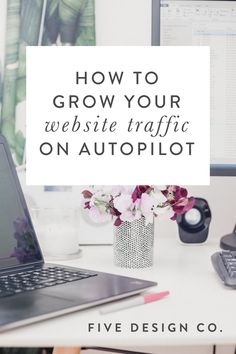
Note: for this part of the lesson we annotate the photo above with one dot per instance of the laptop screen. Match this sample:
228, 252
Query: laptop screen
18, 243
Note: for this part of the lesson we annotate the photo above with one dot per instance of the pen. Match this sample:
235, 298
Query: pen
134, 301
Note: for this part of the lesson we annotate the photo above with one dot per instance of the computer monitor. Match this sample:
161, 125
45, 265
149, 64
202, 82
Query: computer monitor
211, 23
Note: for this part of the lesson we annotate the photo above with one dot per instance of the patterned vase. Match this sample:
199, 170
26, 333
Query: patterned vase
133, 244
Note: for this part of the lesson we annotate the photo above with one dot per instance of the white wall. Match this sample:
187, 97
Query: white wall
123, 22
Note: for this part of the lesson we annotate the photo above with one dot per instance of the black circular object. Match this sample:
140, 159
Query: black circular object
194, 224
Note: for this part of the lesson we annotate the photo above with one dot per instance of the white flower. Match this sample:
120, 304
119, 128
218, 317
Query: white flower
129, 210
153, 205
97, 216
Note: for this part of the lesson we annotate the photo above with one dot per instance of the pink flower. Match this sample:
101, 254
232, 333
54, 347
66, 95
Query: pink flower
178, 199
128, 209
183, 205
138, 191
87, 205
87, 194
174, 193
118, 221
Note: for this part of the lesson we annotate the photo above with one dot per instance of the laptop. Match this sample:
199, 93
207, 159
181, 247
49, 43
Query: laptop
30, 289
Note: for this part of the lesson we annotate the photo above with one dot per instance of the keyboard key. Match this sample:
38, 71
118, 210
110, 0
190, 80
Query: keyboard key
40, 286
50, 283
73, 279
225, 265
28, 288
60, 281
18, 291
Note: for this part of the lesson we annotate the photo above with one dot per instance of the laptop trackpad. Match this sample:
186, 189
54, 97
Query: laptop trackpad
32, 304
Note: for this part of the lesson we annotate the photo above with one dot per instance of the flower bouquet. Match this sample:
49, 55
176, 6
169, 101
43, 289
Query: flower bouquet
132, 203
133, 210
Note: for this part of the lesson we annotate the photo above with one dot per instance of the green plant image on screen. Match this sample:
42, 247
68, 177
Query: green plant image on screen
30, 23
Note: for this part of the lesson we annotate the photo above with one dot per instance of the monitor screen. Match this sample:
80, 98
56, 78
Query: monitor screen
211, 23
18, 243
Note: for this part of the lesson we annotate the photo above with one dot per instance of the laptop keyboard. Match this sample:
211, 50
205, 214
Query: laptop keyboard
38, 279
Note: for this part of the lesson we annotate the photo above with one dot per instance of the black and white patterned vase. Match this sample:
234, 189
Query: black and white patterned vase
133, 244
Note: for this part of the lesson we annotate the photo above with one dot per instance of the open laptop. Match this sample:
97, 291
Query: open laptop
31, 290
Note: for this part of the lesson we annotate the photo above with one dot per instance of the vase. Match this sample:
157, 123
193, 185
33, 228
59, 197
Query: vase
133, 244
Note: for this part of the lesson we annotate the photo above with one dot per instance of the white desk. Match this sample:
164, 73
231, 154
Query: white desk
196, 296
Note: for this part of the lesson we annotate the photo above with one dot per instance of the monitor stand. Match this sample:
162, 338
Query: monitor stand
228, 242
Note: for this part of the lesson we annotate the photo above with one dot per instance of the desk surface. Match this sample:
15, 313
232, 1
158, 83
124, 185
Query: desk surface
196, 296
